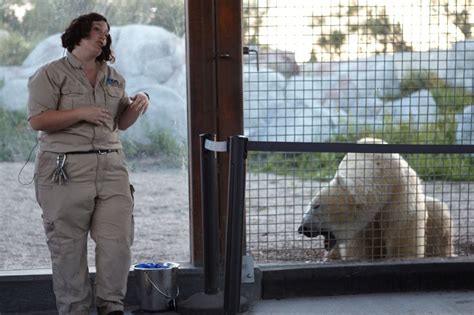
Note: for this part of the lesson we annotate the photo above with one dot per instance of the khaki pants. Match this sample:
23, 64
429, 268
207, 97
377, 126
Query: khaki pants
96, 198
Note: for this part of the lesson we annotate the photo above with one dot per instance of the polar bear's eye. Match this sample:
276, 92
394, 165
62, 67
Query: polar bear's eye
315, 207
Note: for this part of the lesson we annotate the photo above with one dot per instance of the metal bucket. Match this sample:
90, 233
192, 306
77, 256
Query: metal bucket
157, 285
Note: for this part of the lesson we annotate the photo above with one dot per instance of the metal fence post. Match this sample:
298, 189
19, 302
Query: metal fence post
211, 300
210, 219
235, 220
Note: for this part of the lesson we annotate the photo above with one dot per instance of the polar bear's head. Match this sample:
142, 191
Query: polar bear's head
333, 213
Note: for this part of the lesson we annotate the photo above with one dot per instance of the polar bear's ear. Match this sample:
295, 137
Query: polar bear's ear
341, 181
347, 184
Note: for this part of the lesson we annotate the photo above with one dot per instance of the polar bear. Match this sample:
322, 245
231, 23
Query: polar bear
439, 239
375, 207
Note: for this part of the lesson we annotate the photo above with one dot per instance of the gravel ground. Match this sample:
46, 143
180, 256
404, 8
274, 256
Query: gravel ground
161, 219
276, 204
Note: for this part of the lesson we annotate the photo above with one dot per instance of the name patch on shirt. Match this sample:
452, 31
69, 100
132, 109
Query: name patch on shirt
112, 82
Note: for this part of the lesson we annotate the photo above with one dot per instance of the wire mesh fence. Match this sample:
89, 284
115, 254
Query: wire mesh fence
340, 71
363, 211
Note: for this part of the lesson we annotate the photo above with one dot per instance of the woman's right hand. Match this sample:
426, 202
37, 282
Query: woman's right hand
95, 115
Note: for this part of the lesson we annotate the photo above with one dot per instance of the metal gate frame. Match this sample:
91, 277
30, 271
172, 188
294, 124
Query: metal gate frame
278, 282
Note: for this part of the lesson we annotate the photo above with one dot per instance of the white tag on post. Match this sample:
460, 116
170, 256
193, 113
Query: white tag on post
216, 146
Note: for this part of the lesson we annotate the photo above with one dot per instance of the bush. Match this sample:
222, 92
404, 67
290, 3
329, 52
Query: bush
14, 49
16, 138
163, 150
450, 100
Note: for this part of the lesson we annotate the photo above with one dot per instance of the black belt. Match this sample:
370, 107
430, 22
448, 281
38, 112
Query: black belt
102, 151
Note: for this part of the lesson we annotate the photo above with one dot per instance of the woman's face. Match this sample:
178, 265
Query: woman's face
97, 37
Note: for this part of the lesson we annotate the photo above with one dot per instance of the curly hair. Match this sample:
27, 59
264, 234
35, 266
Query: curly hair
80, 28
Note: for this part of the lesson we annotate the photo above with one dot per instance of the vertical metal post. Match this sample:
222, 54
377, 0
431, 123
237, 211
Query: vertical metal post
210, 301
235, 220
210, 220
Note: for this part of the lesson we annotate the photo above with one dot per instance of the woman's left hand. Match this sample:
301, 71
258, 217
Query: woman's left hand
140, 102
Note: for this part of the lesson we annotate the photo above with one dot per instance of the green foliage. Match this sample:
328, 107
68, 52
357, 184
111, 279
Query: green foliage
14, 49
161, 150
383, 31
333, 42
318, 165
450, 100
461, 20
16, 139
170, 15
253, 21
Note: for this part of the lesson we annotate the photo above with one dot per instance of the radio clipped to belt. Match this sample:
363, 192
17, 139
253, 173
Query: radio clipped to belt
59, 175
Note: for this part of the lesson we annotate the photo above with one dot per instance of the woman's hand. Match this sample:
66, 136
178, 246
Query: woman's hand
139, 102
95, 115
139, 105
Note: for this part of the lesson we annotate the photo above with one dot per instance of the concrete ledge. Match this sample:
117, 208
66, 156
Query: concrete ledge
24, 291
32, 290
280, 281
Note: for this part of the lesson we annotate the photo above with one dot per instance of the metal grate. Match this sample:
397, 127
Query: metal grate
339, 71
280, 191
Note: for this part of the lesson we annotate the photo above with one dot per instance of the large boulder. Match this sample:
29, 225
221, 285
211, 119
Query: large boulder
464, 127
47, 50
263, 93
166, 112
147, 50
149, 57
418, 109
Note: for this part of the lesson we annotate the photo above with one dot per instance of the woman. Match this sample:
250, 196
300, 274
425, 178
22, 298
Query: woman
78, 103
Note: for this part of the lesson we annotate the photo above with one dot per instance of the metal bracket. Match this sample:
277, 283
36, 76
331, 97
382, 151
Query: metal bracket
248, 269
247, 50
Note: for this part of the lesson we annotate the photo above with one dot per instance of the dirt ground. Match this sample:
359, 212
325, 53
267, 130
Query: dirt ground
275, 206
161, 219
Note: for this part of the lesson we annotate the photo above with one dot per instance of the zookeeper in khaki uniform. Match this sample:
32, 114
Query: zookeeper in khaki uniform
78, 103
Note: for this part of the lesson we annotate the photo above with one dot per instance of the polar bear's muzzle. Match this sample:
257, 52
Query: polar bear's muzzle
330, 240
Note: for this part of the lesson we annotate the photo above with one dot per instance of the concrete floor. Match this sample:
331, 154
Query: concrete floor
438, 303
420, 303
433, 303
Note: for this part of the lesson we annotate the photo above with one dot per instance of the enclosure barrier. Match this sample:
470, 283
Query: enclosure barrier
418, 278
211, 300
238, 147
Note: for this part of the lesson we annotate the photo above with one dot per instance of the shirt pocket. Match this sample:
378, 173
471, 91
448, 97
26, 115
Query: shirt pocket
71, 96
113, 96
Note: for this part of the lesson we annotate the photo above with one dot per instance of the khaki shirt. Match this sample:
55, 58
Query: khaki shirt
62, 85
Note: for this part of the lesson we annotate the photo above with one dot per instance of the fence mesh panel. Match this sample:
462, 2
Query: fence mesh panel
340, 71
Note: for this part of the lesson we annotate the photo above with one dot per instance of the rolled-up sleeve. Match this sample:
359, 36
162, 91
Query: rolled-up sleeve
43, 93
